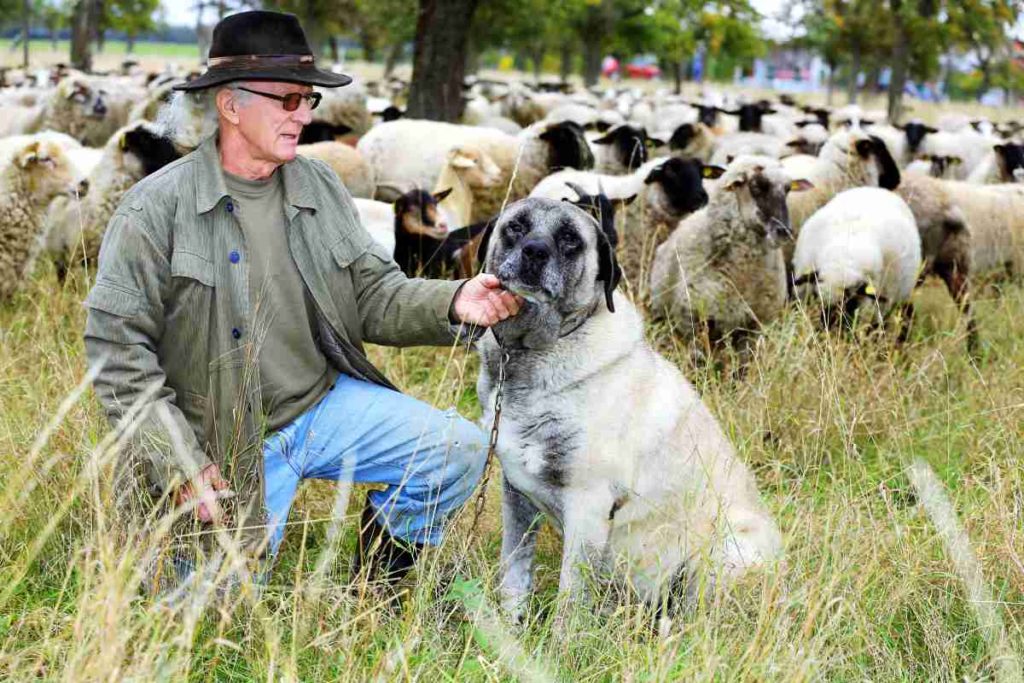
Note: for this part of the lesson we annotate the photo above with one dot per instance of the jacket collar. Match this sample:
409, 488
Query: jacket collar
211, 189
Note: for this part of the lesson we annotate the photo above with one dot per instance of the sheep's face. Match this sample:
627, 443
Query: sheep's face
81, 95
321, 131
863, 158
555, 256
757, 187
941, 165
682, 183
1010, 158
45, 171
141, 150
916, 132
567, 147
474, 167
629, 144
418, 215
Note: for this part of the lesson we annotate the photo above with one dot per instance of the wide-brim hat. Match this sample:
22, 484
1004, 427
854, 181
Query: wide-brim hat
261, 46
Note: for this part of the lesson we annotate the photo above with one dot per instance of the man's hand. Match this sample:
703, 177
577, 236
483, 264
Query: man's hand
208, 487
483, 302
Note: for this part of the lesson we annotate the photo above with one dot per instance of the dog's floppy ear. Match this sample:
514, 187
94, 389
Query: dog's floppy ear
608, 270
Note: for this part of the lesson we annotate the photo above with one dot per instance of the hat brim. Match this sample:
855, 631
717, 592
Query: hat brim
305, 75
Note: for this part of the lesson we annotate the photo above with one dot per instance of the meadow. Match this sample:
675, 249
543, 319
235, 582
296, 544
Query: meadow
876, 584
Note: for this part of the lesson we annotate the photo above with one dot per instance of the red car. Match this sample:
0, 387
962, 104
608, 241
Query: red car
643, 70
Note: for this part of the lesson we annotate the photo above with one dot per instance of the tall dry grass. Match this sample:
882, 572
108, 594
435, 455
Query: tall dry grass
830, 424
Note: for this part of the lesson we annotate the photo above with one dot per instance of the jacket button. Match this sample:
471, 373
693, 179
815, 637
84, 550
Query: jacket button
236, 333
230, 207
234, 257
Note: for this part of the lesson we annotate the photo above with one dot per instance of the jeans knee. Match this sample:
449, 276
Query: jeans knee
468, 454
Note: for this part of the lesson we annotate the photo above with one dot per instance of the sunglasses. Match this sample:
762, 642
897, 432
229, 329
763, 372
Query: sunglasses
292, 100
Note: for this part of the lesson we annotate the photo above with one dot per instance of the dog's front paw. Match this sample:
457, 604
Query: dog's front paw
514, 606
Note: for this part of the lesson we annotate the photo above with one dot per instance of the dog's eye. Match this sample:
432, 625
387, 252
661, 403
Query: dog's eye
512, 232
569, 241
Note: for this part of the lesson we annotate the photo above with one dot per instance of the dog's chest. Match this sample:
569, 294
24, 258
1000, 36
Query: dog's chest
538, 448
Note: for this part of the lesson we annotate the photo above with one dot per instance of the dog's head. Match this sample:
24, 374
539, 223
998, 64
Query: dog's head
558, 258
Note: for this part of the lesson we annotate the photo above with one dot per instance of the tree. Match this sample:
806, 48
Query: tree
982, 27
84, 24
131, 17
439, 59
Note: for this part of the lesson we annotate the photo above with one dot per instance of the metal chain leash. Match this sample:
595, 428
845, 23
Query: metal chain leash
481, 496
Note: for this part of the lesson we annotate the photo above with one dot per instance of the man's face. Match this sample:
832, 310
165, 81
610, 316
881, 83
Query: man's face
272, 132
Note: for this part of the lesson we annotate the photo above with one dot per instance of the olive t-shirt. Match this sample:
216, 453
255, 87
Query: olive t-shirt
294, 373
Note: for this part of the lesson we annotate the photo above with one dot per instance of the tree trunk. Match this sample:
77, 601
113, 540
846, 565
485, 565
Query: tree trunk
439, 60
26, 19
538, 61
677, 73
831, 83
366, 41
81, 38
391, 61
332, 45
985, 66
129, 40
852, 86
591, 60
565, 67
898, 79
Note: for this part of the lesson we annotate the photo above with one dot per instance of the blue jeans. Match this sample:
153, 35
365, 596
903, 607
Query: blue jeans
430, 460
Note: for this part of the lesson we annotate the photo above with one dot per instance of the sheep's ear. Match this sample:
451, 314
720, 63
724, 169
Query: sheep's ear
736, 184
955, 160
655, 142
123, 142
462, 161
580, 192
712, 172
28, 155
795, 144
604, 139
653, 177
929, 129
800, 185
805, 278
626, 201
440, 196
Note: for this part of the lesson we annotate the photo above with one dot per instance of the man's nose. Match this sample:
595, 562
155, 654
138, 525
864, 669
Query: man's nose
304, 114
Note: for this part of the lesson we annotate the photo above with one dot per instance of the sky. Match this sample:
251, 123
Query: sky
183, 12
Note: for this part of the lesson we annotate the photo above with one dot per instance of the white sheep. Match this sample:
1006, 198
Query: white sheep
90, 109
349, 165
30, 178
411, 153
76, 224
861, 249
1003, 164
467, 172
728, 147
721, 270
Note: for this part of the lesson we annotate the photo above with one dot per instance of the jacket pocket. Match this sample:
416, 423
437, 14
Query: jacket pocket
193, 266
113, 298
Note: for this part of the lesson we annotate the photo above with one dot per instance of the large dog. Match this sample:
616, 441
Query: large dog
598, 431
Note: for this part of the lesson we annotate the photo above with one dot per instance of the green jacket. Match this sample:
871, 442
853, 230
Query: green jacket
169, 316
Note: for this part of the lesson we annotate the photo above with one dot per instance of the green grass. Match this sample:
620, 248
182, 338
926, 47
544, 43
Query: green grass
867, 590
112, 47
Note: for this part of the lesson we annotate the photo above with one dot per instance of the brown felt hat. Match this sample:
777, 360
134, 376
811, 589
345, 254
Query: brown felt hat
261, 46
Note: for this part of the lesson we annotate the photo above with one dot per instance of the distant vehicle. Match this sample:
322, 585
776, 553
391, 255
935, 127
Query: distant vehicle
643, 67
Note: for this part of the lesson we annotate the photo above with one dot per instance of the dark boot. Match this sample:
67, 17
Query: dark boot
383, 557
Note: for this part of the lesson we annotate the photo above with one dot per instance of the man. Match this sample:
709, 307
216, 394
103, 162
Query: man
238, 285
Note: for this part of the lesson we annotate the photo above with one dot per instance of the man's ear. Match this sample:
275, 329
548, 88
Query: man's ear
227, 104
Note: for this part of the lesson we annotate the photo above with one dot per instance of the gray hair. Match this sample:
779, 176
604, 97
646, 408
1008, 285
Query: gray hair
191, 117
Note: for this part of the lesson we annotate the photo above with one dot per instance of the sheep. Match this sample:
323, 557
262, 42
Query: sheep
342, 114
809, 140
721, 271
935, 165
411, 153
1004, 164
692, 141
467, 171
729, 147
30, 178
156, 98
349, 165
799, 165
860, 250
622, 149
850, 158
77, 224
89, 109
